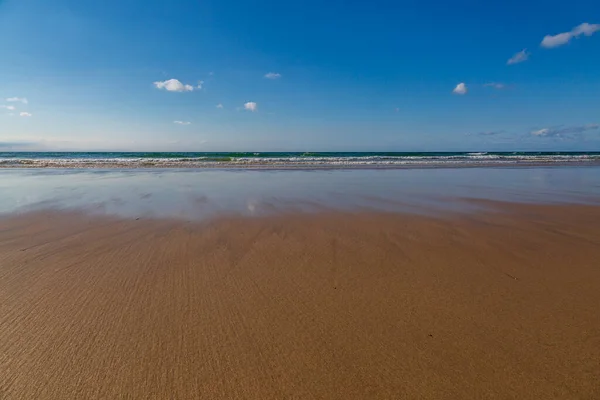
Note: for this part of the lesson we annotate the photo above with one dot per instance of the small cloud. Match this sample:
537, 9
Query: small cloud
586, 29
273, 75
564, 131
173, 85
495, 85
551, 41
251, 106
182, 122
490, 133
211, 73
25, 114
521, 56
541, 132
200, 83
10, 108
396, 109
556, 40
18, 99
485, 133
461, 89
219, 105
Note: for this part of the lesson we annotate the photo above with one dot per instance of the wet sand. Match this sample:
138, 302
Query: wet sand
502, 304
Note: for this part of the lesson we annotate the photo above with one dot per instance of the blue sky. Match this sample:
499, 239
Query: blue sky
345, 75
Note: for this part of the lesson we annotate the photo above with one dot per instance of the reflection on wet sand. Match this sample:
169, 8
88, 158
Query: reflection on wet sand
190, 194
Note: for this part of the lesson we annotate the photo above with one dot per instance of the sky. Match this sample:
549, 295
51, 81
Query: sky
265, 75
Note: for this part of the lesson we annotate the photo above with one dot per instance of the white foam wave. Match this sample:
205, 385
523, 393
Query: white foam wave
298, 162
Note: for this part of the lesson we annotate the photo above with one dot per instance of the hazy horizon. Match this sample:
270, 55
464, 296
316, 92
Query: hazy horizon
258, 151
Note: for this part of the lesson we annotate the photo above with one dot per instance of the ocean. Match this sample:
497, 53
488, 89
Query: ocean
288, 159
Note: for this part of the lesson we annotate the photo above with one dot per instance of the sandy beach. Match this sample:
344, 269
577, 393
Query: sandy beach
499, 304
304, 200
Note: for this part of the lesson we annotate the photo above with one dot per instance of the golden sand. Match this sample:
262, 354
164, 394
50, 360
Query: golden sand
499, 305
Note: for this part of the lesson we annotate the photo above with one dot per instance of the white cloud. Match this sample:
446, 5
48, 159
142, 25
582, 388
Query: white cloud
200, 83
541, 132
586, 29
461, 88
10, 108
495, 85
273, 75
551, 41
564, 131
219, 105
556, 40
18, 99
24, 114
521, 56
251, 106
173, 85
182, 122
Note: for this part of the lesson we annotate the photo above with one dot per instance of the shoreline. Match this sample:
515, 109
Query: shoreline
496, 303
297, 167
